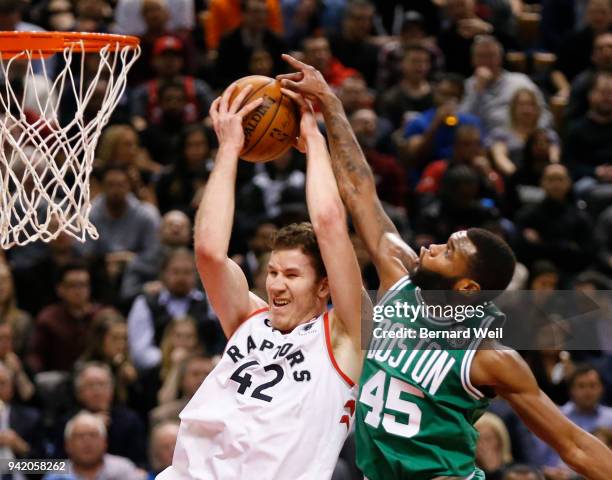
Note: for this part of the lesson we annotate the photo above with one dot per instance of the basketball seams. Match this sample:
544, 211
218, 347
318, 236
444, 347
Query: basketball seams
265, 130
250, 95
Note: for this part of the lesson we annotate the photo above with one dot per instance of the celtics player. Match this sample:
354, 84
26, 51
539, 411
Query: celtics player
418, 401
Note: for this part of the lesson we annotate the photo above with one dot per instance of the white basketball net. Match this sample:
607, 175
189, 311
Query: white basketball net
45, 166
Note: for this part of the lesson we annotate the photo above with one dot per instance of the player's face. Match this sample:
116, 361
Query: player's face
295, 294
449, 260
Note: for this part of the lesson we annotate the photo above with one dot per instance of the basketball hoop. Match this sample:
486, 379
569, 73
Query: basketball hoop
45, 166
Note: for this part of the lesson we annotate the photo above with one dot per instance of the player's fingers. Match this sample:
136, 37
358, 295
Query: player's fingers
297, 76
233, 108
249, 107
214, 109
223, 106
289, 84
297, 98
294, 62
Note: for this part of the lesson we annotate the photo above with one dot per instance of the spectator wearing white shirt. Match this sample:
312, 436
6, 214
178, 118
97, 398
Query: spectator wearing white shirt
488, 92
151, 313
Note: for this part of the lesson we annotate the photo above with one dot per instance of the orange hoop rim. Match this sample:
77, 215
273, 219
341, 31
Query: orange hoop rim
48, 43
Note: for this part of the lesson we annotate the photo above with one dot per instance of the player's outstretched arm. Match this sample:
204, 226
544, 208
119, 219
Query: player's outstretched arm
224, 281
329, 221
510, 376
391, 256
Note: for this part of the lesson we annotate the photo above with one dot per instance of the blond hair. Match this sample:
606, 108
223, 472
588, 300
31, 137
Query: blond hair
497, 425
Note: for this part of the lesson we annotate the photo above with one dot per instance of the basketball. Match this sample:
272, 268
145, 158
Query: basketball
270, 129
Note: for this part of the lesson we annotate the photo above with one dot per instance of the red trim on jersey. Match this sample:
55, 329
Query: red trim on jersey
256, 312
330, 351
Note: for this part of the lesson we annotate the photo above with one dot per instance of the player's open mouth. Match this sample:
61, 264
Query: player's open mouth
424, 251
280, 302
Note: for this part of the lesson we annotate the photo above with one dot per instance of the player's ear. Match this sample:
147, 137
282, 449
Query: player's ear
323, 290
466, 285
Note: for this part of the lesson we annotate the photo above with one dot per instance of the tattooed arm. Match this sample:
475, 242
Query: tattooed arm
390, 254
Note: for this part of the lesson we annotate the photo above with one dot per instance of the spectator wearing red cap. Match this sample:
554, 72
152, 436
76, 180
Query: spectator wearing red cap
156, 17
168, 61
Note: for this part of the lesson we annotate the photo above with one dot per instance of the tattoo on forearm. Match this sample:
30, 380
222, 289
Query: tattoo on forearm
352, 172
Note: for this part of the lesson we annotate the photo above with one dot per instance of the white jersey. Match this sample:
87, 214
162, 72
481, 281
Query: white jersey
276, 407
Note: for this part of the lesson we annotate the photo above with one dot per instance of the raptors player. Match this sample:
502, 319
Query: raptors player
280, 402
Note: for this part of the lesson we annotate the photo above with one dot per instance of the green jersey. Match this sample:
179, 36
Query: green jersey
417, 407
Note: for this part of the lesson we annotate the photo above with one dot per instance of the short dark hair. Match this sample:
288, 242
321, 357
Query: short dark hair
522, 470
169, 257
454, 78
493, 264
581, 369
415, 48
73, 266
300, 235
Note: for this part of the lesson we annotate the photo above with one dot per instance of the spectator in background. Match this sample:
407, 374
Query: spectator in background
467, 150
127, 226
163, 136
575, 52
161, 447
20, 426
156, 15
261, 63
40, 276
142, 274
129, 18
523, 187
602, 62
120, 147
19, 321
413, 33
587, 150
555, 229
107, 344
180, 184
456, 39
493, 449
21, 381
86, 443
94, 388
390, 176
300, 20
507, 143
317, 53
168, 63
413, 92
430, 135
224, 16
489, 90
194, 370
354, 94
180, 340
460, 204
584, 409
351, 46
252, 34
151, 313
60, 332
274, 184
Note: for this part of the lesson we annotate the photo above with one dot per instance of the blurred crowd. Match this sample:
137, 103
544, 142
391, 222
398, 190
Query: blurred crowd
471, 113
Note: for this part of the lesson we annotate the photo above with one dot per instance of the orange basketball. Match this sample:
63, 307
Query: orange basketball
271, 128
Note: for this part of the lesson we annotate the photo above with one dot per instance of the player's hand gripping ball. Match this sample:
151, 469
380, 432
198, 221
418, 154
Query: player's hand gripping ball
272, 128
